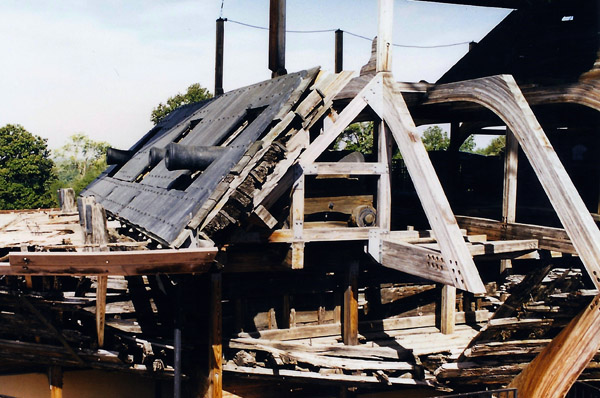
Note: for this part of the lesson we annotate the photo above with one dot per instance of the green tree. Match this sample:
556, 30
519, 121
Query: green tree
436, 139
194, 93
357, 137
79, 162
26, 170
495, 147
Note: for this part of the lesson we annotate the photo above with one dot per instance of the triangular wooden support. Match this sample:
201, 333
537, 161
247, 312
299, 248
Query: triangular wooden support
385, 99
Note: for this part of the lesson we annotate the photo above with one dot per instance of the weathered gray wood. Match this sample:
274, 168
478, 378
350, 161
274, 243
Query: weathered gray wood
502, 95
555, 239
345, 118
66, 200
345, 168
509, 196
415, 260
458, 261
318, 377
448, 309
385, 23
384, 184
357, 351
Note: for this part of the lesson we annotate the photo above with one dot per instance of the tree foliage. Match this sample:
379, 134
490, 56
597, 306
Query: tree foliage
26, 170
194, 93
495, 147
357, 137
436, 139
79, 161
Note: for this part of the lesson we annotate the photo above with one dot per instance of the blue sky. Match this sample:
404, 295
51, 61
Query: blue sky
99, 67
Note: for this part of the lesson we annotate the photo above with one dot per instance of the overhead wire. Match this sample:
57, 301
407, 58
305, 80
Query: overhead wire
350, 33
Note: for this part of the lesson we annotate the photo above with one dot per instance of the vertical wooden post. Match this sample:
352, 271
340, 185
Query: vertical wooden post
93, 219
28, 278
277, 38
509, 196
384, 187
219, 56
339, 50
100, 237
448, 309
350, 305
55, 378
297, 220
215, 378
66, 200
384, 36
552, 373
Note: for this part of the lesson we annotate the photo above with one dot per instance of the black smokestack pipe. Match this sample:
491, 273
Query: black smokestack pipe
183, 157
277, 38
219, 56
156, 155
118, 156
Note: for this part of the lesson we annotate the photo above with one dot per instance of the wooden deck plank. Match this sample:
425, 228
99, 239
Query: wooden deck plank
111, 263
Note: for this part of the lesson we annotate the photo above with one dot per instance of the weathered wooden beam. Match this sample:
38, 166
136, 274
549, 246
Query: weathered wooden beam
314, 377
414, 260
458, 261
345, 168
509, 195
345, 118
447, 309
314, 331
385, 144
297, 221
502, 95
340, 204
358, 351
385, 23
350, 305
66, 200
111, 263
567, 355
549, 238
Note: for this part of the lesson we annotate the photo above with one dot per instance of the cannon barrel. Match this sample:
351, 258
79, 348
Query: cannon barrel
118, 156
183, 157
156, 155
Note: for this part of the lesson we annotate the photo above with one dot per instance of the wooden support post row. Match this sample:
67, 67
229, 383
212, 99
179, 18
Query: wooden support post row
93, 220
